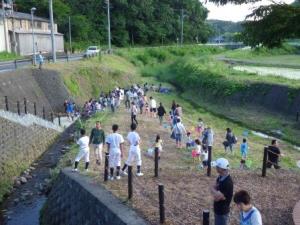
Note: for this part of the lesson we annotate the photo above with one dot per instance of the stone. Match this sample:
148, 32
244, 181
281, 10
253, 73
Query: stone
47, 181
23, 180
17, 183
28, 177
16, 201
32, 168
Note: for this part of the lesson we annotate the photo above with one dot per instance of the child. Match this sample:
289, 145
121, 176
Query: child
196, 153
147, 110
158, 145
189, 141
204, 157
84, 150
244, 152
200, 127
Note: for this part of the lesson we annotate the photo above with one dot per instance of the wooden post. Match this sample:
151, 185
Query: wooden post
52, 119
34, 108
129, 182
264, 166
25, 106
156, 162
6, 103
16, 64
161, 197
105, 166
59, 122
44, 114
209, 161
18, 107
206, 217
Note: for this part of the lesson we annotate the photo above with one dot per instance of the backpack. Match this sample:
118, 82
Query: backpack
234, 139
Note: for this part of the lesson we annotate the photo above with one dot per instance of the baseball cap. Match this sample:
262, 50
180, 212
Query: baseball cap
222, 163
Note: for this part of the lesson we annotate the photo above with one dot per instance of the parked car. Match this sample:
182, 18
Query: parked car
92, 51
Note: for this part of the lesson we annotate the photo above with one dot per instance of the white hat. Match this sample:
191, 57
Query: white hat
222, 163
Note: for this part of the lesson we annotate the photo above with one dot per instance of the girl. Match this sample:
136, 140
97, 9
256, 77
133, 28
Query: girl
200, 127
147, 111
158, 145
196, 153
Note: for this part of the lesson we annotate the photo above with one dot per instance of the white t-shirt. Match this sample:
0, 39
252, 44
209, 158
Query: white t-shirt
198, 149
153, 104
255, 218
204, 155
114, 140
133, 138
134, 110
83, 143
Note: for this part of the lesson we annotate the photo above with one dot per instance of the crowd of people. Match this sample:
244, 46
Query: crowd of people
200, 142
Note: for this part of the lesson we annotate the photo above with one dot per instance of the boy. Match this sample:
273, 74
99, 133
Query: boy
115, 143
84, 150
134, 154
249, 215
244, 152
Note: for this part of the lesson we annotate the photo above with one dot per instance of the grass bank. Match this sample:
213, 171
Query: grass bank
6, 56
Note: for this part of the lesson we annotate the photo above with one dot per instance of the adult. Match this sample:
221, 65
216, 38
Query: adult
141, 103
161, 112
70, 110
112, 103
222, 192
273, 155
133, 112
249, 215
134, 154
97, 138
230, 140
178, 131
84, 151
173, 107
40, 60
153, 107
178, 110
115, 143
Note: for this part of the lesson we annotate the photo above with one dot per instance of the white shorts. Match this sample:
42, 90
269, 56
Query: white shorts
98, 148
134, 155
114, 158
83, 153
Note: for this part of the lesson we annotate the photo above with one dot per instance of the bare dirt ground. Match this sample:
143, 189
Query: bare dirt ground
187, 188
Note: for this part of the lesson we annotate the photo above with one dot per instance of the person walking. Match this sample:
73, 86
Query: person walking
84, 151
40, 60
230, 140
222, 192
178, 131
161, 112
134, 154
97, 138
115, 143
134, 112
249, 215
273, 155
153, 107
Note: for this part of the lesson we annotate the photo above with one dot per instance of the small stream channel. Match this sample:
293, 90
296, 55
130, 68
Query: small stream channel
23, 205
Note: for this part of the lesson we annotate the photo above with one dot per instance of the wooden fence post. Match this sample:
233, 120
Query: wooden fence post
59, 122
6, 103
129, 182
18, 108
106, 166
51, 115
156, 162
209, 161
161, 196
25, 106
16, 64
264, 166
44, 113
34, 108
205, 217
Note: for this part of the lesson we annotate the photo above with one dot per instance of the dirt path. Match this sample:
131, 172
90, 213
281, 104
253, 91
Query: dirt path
186, 187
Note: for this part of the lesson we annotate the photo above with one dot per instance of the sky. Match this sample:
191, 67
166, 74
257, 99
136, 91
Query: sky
235, 13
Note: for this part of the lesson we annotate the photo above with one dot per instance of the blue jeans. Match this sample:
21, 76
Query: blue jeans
221, 219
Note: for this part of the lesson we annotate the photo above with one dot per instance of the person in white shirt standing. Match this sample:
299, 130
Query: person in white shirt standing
153, 107
115, 143
134, 154
134, 112
249, 215
84, 150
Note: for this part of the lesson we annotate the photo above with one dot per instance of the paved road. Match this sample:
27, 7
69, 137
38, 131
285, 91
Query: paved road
12, 65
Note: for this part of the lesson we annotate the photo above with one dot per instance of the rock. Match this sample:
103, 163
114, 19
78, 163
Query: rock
32, 168
16, 201
66, 147
63, 151
47, 181
17, 183
41, 187
35, 164
28, 177
23, 180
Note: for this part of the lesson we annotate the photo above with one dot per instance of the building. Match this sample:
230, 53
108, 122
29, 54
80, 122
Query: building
16, 33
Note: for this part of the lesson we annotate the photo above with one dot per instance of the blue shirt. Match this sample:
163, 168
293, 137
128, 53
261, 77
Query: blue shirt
244, 148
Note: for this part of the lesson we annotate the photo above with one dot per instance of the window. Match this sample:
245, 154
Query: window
39, 24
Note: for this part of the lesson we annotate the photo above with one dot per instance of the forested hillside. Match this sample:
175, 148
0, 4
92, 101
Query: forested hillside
139, 22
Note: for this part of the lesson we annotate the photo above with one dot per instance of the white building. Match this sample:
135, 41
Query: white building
17, 26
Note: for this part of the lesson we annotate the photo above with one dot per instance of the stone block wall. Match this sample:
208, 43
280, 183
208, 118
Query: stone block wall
19, 147
74, 199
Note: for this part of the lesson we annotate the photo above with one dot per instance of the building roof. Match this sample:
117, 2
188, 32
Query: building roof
26, 16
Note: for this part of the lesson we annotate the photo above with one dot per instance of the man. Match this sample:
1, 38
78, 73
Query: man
161, 112
97, 138
249, 215
222, 192
273, 155
153, 107
134, 154
134, 112
115, 143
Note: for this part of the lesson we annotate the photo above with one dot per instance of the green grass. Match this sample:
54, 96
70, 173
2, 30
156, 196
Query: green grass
5, 56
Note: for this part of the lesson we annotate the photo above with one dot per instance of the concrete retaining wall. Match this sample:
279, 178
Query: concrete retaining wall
74, 200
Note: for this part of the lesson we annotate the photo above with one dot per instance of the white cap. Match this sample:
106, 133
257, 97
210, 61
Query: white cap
222, 163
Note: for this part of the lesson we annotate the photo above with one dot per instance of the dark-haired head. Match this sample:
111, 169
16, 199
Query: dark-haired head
82, 132
115, 127
133, 126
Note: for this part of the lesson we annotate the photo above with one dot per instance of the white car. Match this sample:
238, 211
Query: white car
92, 51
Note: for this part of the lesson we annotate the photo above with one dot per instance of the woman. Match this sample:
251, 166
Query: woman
178, 131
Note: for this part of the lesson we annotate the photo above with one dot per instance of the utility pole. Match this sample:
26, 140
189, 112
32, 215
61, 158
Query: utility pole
52, 30
4, 24
13, 27
70, 34
33, 40
108, 26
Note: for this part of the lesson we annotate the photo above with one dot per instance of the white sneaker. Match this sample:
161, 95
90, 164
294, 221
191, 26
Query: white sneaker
124, 173
111, 178
86, 170
118, 177
74, 170
140, 174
